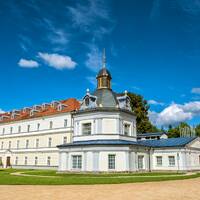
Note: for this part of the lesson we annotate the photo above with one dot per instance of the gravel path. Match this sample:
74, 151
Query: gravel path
167, 190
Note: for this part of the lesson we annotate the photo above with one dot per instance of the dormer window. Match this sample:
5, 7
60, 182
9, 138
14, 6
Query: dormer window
86, 129
61, 106
54, 104
87, 101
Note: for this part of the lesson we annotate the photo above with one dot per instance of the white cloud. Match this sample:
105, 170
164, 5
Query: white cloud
94, 58
1, 111
195, 90
175, 113
90, 16
57, 61
28, 63
153, 102
92, 80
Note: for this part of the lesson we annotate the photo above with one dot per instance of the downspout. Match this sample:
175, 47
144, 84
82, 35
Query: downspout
150, 159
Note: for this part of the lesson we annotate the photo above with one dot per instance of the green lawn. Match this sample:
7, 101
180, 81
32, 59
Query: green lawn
53, 178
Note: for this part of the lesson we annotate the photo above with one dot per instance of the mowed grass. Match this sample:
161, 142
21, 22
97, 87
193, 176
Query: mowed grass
53, 178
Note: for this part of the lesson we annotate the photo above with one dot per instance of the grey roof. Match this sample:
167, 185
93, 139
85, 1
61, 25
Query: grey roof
171, 142
151, 134
106, 97
104, 72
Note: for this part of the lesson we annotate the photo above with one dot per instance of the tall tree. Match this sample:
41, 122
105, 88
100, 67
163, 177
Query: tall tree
174, 132
197, 129
140, 106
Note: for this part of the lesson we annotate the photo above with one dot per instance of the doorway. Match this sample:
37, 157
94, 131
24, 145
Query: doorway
8, 164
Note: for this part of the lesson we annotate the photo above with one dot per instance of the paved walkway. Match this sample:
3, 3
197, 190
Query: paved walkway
168, 190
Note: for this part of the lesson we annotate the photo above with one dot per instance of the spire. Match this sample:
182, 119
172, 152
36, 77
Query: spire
104, 58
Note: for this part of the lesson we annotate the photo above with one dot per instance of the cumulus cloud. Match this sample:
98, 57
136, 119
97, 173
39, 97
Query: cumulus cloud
28, 63
175, 113
195, 90
153, 102
57, 61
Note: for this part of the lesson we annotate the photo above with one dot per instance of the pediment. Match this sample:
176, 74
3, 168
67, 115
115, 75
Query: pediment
195, 143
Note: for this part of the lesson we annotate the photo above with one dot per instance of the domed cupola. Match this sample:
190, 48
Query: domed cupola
104, 76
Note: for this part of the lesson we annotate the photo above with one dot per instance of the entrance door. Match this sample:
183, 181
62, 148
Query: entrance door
140, 162
8, 161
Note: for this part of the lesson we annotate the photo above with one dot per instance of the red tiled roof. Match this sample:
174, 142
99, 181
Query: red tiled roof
69, 105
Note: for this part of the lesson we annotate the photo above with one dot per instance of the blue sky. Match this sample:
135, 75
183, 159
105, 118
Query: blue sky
52, 50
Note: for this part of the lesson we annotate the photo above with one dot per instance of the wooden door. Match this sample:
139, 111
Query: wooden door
8, 161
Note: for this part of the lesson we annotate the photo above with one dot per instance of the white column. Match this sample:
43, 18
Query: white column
127, 161
63, 161
117, 126
96, 161
84, 168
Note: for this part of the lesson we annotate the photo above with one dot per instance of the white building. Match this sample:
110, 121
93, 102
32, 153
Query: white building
98, 135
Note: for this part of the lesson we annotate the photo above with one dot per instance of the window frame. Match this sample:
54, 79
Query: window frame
159, 163
172, 164
86, 130
125, 129
77, 162
111, 161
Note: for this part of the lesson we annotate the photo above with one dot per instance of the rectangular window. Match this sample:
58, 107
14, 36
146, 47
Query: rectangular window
77, 162
111, 161
11, 129
86, 129
19, 129
27, 144
171, 160
38, 126
28, 128
36, 160
16, 161
159, 160
17, 144
49, 142
64, 140
1, 145
65, 123
48, 161
140, 162
37, 143
25, 160
3, 130
50, 124
127, 129
9, 145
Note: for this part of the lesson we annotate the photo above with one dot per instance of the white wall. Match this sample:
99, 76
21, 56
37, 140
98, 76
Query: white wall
104, 123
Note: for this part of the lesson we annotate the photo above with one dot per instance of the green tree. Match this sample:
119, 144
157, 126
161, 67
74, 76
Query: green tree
174, 132
140, 107
197, 129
